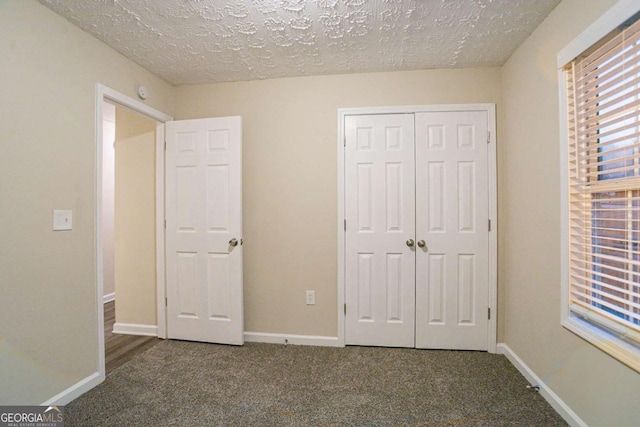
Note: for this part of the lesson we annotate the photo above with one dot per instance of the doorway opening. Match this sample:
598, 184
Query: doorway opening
142, 134
128, 233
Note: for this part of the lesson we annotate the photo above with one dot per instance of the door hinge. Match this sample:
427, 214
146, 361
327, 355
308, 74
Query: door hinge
489, 225
166, 302
165, 145
488, 137
489, 313
345, 225
165, 224
345, 309
345, 141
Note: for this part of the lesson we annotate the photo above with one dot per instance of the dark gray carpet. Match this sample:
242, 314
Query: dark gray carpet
193, 384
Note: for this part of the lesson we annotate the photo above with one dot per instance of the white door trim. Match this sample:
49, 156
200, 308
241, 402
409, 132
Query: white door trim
104, 93
490, 109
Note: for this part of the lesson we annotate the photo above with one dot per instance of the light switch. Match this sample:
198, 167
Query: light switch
62, 220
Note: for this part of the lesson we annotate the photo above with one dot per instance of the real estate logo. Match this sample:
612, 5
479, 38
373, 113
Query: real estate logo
31, 416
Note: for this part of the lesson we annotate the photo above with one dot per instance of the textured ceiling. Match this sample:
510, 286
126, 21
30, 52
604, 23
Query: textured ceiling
206, 41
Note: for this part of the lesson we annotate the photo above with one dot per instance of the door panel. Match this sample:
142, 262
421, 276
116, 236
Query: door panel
203, 213
452, 218
380, 214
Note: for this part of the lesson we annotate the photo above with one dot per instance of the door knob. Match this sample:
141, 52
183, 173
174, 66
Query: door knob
233, 242
422, 243
410, 243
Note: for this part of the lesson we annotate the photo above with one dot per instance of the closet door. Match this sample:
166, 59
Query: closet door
452, 217
380, 230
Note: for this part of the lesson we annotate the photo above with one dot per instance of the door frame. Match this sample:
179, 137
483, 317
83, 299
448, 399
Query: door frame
104, 93
490, 109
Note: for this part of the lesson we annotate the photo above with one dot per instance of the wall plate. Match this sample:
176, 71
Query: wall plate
62, 220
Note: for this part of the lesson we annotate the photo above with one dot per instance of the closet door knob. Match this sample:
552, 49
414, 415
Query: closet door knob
233, 242
421, 243
410, 243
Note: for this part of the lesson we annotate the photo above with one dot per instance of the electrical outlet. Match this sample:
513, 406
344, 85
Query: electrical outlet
311, 297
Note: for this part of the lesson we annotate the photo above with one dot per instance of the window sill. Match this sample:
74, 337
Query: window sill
606, 341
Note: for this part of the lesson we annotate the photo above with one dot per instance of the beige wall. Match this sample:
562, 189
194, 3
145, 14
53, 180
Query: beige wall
135, 219
600, 390
290, 177
48, 72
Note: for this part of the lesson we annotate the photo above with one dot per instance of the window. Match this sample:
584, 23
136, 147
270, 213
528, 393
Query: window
603, 178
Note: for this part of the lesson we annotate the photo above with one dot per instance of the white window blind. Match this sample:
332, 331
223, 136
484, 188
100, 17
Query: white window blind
603, 102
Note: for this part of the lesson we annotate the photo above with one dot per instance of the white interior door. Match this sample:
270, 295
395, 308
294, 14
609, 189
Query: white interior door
204, 230
452, 269
380, 220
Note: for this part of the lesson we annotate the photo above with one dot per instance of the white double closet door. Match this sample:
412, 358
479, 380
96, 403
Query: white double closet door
417, 238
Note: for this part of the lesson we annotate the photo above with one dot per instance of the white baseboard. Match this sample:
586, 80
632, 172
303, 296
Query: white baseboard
75, 390
553, 399
264, 337
109, 297
135, 329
